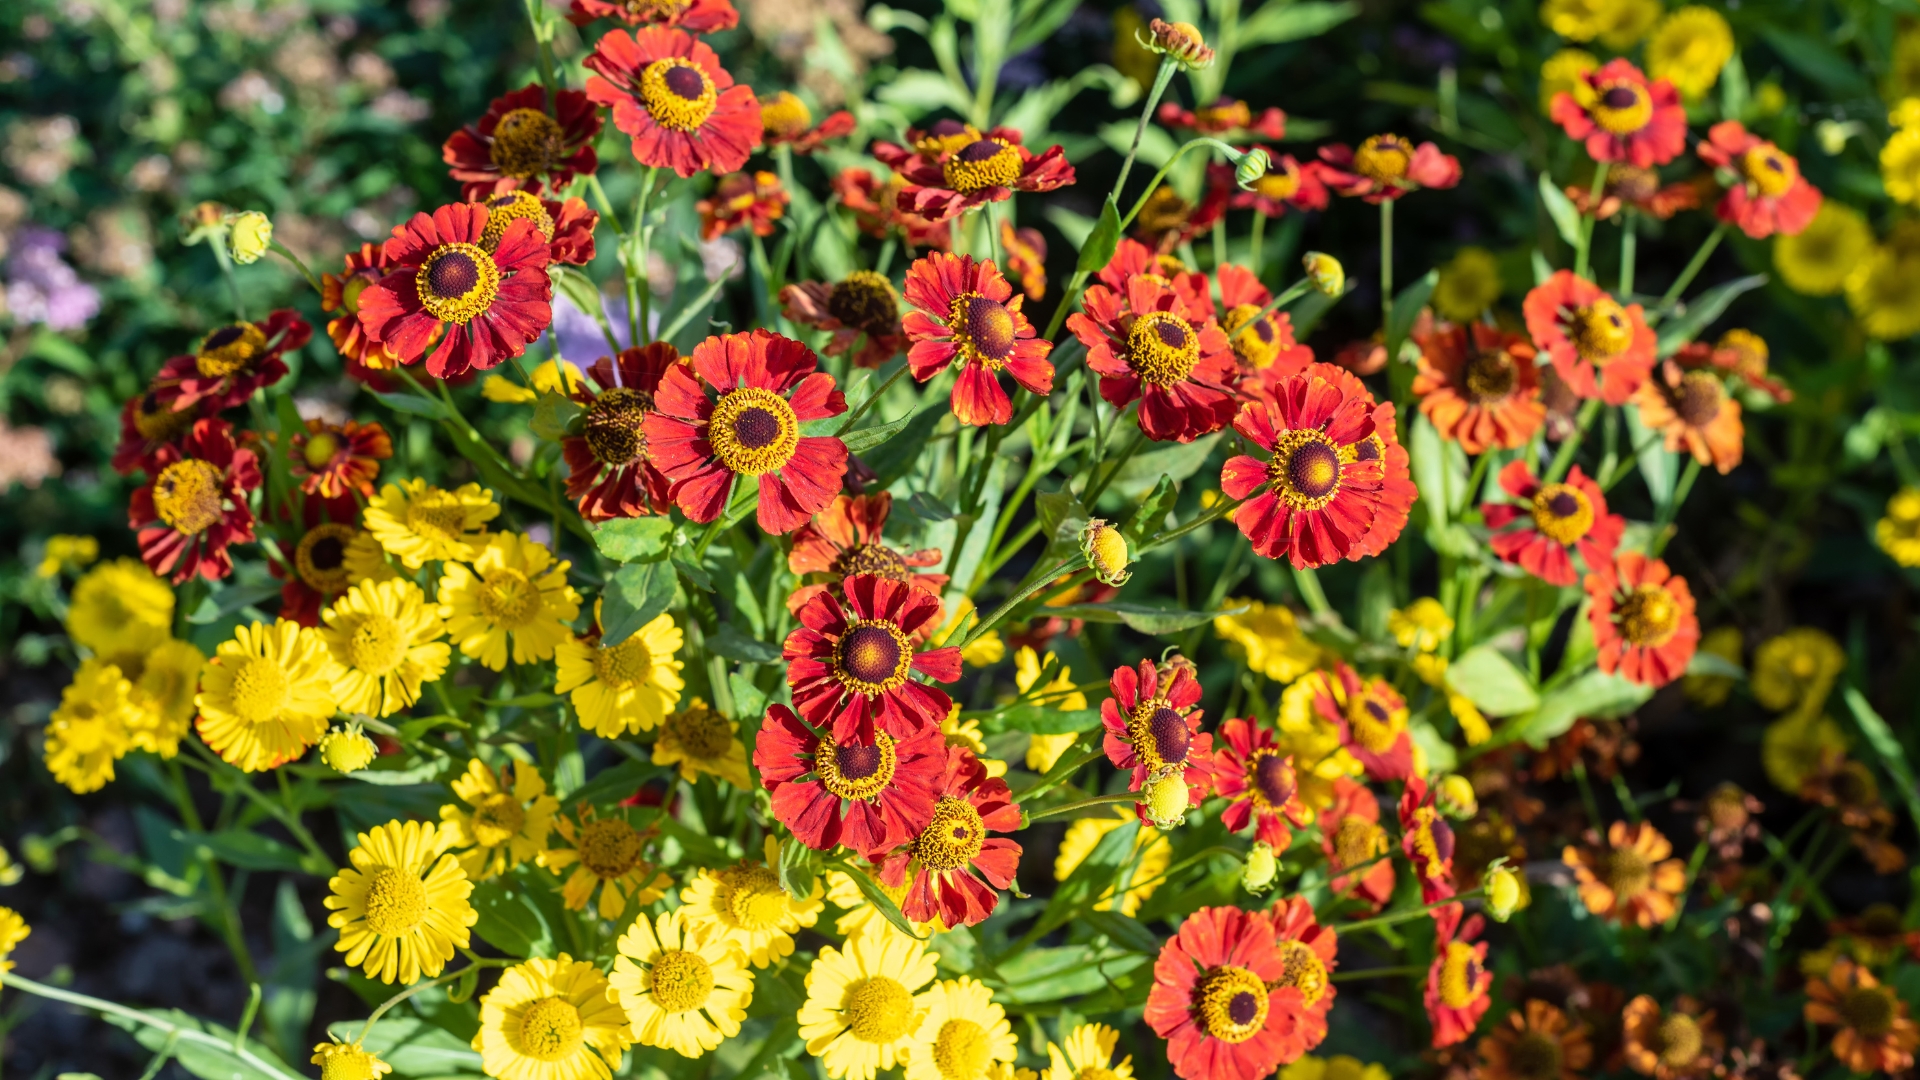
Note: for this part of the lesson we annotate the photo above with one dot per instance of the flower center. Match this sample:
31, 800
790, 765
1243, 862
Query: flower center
345, 1062
1600, 331
984, 329
873, 657
960, 1050
229, 349
1383, 158
1621, 108
1282, 181
701, 732
1868, 1010
1301, 968
550, 1029
784, 116
1376, 724
396, 902
609, 847
1626, 872
1089, 1072
1231, 1004
753, 431
156, 420
436, 515
1305, 469
1226, 114
376, 645
1357, 840
497, 819
1491, 375
457, 282
1727, 809
508, 207
613, 426
508, 599
259, 690
1699, 398
1459, 975
1769, 170
1426, 845
1750, 350
952, 839
1648, 616
629, 663
856, 772
876, 559
752, 895
945, 136
187, 496
1271, 778
1254, 342
526, 142
865, 301
1678, 1040
981, 164
1880, 921
1162, 348
1159, 735
320, 449
1562, 513
879, 1010
1632, 183
677, 93
680, 980
1534, 1056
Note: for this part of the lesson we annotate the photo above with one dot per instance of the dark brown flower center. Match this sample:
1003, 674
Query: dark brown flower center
1314, 469
613, 426
1171, 736
1868, 1010
1490, 375
1626, 872
526, 142
1699, 399
1534, 1056
877, 559
686, 82
989, 327
756, 428
865, 301
1273, 778
870, 654
453, 275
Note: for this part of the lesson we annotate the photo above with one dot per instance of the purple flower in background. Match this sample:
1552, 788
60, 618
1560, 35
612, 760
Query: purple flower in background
42, 288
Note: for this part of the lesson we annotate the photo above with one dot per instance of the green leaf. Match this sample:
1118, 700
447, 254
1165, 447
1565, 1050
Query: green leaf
1277, 21
1887, 745
415, 1047
251, 851
1176, 463
1145, 619
1040, 720
1700, 314
749, 701
878, 435
894, 458
200, 1059
800, 868
1659, 466
881, 902
1735, 92
1718, 667
1439, 470
1542, 269
633, 598
1406, 308
695, 574
1152, 512
1075, 227
60, 352
1566, 219
508, 921
1070, 971
729, 642
412, 405
218, 605
1484, 676
554, 415
634, 539
1594, 694
1840, 76
1098, 251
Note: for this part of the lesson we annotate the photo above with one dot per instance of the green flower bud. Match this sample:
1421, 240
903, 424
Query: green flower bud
1456, 797
1250, 168
248, 234
1261, 868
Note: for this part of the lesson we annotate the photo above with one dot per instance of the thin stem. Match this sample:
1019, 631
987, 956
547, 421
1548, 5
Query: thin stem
1100, 486
1585, 250
1386, 271
1220, 509
1662, 527
1017, 598
280, 249
1308, 582
1084, 804
1693, 268
175, 1031
857, 413
219, 245
885, 260
1259, 236
1563, 458
1402, 916
1378, 973
1629, 252
1161, 79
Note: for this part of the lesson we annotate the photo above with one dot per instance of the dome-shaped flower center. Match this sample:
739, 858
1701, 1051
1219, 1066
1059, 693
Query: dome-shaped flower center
1281, 182
1600, 331
376, 644
1271, 778
1162, 348
260, 690
229, 349
877, 559
1383, 158
1302, 969
1678, 1040
1376, 724
508, 207
1357, 840
457, 282
396, 901
156, 420
1459, 975
677, 93
753, 431
526, 143
1225, 114
187, 496
1699, 398
507, 598
1621, 108
1255, 344
865, 301
550, 1029
1160, 735
982, 164
1490, 375
319, 449
952, 839
984, 330
879, 1010
1727, 809
609, 847
613, 426
1534, 1056
1648, 616
629, 663
854, 771
1768, 170
1626, 872
436, 515
1230, 1004
1749, 350
753, 897
1562, 513
1869, 1010
1880, 921
873, 657
702, 733
784, 117
960, 1050
946, 135
1632, 183
680, 980
497, 819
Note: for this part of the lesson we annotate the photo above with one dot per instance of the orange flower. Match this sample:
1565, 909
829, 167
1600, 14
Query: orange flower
1536, 1042
1634, 879
1641, 189
1669, 1046
1875, 1034
1693, 409
1479, 386
754, 200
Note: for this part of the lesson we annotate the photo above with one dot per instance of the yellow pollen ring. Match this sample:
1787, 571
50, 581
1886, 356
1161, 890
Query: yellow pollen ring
1621, 108
1600, 331
1305, 469
1162, 348
855, 772
872, 657
526, 142
753, 431
677, 93
229, 349
784, 116
952, 839
1301, 968
1231, 1004
1459, 976
981, 164
508, 207
1769, 170
1648, 616
1383, 158
187, 496
1255, 343
680, 980
458, 282
983, 328
1562, 513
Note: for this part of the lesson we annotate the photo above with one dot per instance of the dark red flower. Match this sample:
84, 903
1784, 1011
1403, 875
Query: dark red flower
1770, 195
693, 16
148, 421
522, 143
754, 200
785, 120
668, 91
1372, 719
1132, 259
1459, 986
875, 205
1642, 618
567, 227
869, 796
318, 569
1145, 342
1428, 841
1386, 167
1213, 998
1287, 185
1308, 954
1308, 502
1026, 257
851, 660
232, 362
950, 855
1257, 778
1227, 118
1621, 116
1599, 347
985, 168
196, 504
844, 540
965, 311
1553, 519
340, 293
612, 474
862, 309
1153, 729
764, 387
332, 460
1355, 844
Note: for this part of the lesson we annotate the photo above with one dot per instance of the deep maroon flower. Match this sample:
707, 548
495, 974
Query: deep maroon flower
870, 796
611, 473
232, 362
851, 661
521, 143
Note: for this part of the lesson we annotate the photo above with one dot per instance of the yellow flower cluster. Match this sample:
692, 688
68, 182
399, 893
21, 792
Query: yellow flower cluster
1900, 157
1617, 24
1270, 638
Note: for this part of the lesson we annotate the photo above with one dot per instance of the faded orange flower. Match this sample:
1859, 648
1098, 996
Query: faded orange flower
1633, 879
1875, 1035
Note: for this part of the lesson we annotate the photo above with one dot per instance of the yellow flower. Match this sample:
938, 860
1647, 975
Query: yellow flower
606, 854
164, 683
1473, 725
505, 391
421, 523
1689, 48
965, 1036
514, 589
348, 1061
745, 904
1131, 58
682, 990
861, 916
627, 687
347, 749
1712, 690
552, 1020
967, 733
1816, 262
1468, 285
1561, 74
13, 930
1430, 668
1150, 855
10, 872
1903, 116
1795, 670
1900, 165
700, 740
545, 378
1423, 625
986, 651
1899, 532
1269, 636
401, 908
511, 816
862, 1011
1337, 1067
1792, 747
120, 607
267, 695
92, 728
1884, 290
1318, 757
1087, 1052
63, 550
385, 641
1617, 23
365, 560
1044, 751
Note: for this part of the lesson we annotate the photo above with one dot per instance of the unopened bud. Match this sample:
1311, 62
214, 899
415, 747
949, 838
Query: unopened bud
248, 234
1456, 797
1505, 892
1326, 273
1261, 868
1166, 800
1106, 552
1181, 41
347, 749
1250, 168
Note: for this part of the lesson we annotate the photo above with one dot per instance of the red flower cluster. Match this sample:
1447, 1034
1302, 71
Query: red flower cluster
953, 168
1152, 728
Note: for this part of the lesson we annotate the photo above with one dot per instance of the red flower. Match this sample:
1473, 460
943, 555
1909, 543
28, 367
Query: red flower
1132, 259
1428, 841
1372, 718
1154, 730
1386, 167
755, 200
693, 16
567, 227
844, 540
871, 797
1458, 984
490, 304
861, 310
1351, 838
965, 311
1145, 342
1397, 489
1263, 346
1599, 348
341, 293
1308, 502
611, 473
765, 386
1308, 955
875, 205
1478, 386
1026, 252
1226, 118
1559, 517
1623, 117
232, 362
318, 568
1258, 779
331, 460
1643, 621
1212, 998
520, 141
851, 660
1770, 196
945, 856
148, 421
196, 504
1286, 185
670, 93
1630, 185
983, 169
785, 120
1741, 353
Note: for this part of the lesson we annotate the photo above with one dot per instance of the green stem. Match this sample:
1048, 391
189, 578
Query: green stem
1693, 268
1378, 973
1629, 252
1001, 612
1085, 804
146, 1019
1220, 509
1259, 235
1386, 273
885, 260
1563, 458
1099, 487
1402, 916
1161, 79
857, 413
1059, 774
280, 249
1668, 512
219, 245
1191, 144
1307, 580
1582, 253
